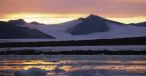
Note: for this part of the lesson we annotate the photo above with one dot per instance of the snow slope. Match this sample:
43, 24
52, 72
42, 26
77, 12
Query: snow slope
59, 31
62, 31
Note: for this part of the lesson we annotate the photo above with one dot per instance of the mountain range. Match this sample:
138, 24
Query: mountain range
14, 29
91, 27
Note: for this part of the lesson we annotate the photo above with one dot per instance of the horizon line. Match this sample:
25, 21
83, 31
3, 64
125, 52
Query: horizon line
58, 20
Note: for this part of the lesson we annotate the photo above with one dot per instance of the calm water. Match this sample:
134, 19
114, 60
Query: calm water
72, 65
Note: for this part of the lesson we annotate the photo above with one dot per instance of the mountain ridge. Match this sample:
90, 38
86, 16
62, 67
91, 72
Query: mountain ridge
13, 31
91, 27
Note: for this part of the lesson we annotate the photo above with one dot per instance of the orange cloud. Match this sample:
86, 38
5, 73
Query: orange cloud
131, 1
69, 8
100, 7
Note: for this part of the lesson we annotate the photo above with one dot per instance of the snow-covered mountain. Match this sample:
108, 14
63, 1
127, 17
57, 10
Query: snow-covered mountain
91, 24
92, 27
16, 29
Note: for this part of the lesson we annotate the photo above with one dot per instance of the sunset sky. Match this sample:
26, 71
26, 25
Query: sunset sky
58, 11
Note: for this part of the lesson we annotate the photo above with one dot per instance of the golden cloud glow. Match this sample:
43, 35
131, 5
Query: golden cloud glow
60, 18
42, 15
129, 20
43, 18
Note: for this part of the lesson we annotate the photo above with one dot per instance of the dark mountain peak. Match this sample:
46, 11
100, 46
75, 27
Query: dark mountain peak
141, 24
21, 20
82, 19
36, 23
91, 24
93, 16
9, 30
96, 18
17, 22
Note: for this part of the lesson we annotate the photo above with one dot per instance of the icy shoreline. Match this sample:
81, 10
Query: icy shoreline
71, 48
75, 57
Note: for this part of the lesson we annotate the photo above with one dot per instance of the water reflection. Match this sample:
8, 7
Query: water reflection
71, 67
31, 72
88, 72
